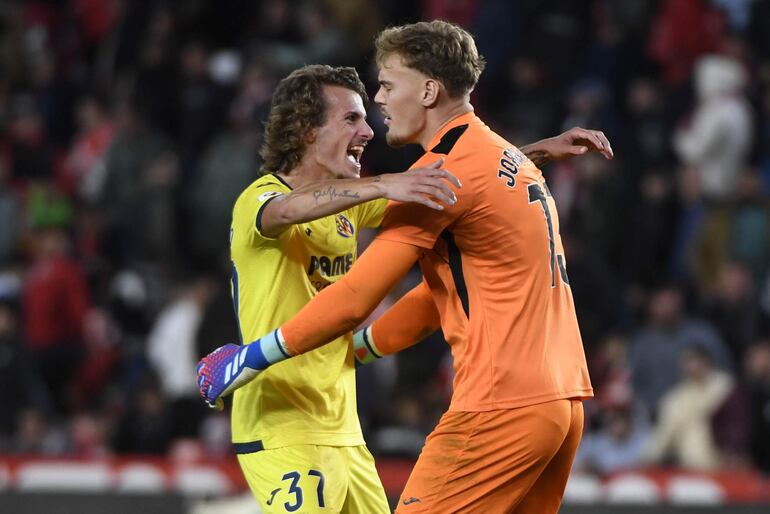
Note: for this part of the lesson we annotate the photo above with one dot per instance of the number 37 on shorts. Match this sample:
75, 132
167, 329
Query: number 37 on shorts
310, 479
291, 496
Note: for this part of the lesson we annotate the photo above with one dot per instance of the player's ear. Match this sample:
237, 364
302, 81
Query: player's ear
310, 136
430, 92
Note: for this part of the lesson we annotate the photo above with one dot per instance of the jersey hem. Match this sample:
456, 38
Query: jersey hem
320, 439
577, 394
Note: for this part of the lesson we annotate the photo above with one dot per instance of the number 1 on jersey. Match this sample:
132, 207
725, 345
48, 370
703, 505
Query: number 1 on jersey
536, 194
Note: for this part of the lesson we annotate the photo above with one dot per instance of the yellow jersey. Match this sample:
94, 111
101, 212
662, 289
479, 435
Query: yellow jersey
311, 398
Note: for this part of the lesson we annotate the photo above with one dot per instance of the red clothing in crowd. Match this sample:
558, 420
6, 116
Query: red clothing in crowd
56, 298
684, 30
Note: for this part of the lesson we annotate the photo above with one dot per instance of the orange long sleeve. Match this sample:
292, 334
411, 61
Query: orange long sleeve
410, 320
341, 307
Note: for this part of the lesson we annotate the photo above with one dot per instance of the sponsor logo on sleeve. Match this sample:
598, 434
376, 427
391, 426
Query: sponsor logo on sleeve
269, 194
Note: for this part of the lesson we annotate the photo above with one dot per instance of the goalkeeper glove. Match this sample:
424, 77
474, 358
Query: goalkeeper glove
230, 367
364, 348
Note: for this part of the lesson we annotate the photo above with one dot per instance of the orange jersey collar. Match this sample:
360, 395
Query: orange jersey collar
462, 119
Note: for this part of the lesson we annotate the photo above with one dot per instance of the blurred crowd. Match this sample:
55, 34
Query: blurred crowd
127, 130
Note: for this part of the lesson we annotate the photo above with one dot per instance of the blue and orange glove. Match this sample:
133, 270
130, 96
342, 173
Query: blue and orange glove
230, 367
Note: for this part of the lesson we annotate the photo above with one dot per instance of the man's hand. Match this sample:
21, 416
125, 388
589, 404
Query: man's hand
575, 141
427, 186
223, 371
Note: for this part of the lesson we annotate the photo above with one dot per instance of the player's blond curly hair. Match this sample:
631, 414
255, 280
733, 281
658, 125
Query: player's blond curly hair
439, 49
299, 106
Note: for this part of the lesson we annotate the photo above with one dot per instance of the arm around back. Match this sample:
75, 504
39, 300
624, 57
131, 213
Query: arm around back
343, 306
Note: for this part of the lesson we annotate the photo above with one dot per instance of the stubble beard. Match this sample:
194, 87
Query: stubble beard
394, 141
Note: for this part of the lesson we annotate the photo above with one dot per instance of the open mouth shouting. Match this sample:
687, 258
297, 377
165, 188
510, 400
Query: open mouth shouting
354, 154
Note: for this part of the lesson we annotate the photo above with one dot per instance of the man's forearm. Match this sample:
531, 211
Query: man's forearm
427, 186
575, 141
410, 320
346, 304
537, 153
334, 311
314, 201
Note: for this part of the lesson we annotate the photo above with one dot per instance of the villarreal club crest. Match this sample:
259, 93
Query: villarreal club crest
344, 226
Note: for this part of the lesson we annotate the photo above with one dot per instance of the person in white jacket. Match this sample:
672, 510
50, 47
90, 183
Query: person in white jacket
717, 140
683, 433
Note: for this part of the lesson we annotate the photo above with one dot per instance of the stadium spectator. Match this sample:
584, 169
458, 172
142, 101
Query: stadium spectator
130, 305
643, 142
137, 150
10, 213
155, 74
225, 169
716, 141
83, 169
682, 434
749, 240
731, 427
88, 436
682, 31
55, 300
318, 39
617, 446
28, 150
656, 348
693, 210
611, 376
598, 292
595, 213
36, 435
733, 308
201, 108
16, 374
530, 110
171, 351
757, 366
737, 230
644, 256
405, 435
146, 425
763, 133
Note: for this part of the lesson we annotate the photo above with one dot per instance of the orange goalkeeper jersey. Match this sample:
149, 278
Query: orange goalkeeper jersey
495, 265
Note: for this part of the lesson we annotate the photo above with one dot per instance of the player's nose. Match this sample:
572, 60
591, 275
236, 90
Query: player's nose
379, 97
366, 131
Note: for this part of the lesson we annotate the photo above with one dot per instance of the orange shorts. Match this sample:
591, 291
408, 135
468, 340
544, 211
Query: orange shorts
496, 462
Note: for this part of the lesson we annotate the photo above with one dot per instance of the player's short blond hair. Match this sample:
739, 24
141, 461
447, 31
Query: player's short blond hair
299, 106
439, 49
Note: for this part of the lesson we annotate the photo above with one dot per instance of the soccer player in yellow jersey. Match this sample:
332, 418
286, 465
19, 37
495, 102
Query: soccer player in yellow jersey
295, 427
